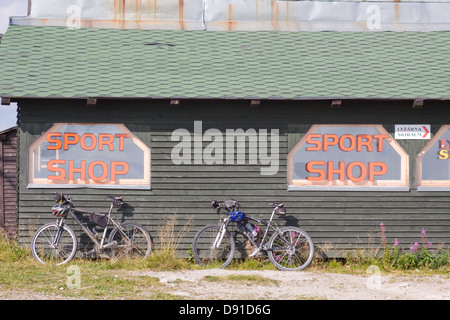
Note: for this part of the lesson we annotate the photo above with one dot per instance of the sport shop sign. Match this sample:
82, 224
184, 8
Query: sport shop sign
347, 157
433, 163
71, 155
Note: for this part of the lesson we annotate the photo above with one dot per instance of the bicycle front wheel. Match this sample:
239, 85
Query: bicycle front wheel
204, 252
132, 241
290, 249
54, 245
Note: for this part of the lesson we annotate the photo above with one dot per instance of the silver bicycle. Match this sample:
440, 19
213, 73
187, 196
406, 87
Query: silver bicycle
288, 248
56, 243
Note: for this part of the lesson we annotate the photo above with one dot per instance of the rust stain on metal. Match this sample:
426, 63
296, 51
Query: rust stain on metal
181, 13
230, 17
275, 15
397, 14
138, 5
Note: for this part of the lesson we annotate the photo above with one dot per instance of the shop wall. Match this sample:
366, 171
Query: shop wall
336, 220
8, 181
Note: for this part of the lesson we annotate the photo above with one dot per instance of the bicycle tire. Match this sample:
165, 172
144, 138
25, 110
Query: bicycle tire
290, 249
43, 250
204, 255
140, 246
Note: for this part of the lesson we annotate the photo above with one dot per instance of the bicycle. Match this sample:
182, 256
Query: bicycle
288, 248
56, 242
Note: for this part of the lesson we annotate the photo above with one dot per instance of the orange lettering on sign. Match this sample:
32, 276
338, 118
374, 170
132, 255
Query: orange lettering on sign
115, 172
380, 138
57, 142
121, 137
87, 141
51, 167
329, 140
362, 168
68, 170
104, 170
68, 141
310, 168
81, 170
345, 172
340, 170
362, 142
373, 172
105, 139
351, 139
93, 141
318, 144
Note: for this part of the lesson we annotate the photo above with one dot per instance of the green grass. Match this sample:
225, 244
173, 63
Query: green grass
242, 279
114, 279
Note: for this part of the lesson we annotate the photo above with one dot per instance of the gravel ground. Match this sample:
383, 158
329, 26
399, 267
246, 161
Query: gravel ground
305, 285
277, 285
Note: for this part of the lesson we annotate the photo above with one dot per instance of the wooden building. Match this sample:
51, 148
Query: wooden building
348, 129
8, 180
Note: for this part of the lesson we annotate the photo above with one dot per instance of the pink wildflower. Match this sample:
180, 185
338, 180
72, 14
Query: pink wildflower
414, 247
383, 233
424, 238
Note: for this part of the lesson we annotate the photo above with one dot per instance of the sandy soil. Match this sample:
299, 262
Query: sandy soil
215, 284
304, 285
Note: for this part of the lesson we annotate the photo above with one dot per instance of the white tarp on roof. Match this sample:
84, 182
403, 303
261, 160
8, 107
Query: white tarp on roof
10, 8
407, 15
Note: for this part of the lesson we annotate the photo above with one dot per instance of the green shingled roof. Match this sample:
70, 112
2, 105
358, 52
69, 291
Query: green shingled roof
59, 62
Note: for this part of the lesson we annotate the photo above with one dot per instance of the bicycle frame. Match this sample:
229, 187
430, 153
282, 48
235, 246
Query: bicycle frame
100, 245
226, 222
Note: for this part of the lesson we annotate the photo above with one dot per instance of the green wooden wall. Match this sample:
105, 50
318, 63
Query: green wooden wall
337, 221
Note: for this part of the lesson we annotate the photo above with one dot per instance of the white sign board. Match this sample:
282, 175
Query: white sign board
412, 131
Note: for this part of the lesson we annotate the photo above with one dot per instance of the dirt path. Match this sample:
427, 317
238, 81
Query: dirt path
220, 284
217, 284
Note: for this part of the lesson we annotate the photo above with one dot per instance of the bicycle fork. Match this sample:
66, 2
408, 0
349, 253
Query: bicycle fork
60, 224
220, 234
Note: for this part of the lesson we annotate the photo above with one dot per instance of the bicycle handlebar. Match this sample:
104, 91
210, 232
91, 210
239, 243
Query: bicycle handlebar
229, 204
234, 205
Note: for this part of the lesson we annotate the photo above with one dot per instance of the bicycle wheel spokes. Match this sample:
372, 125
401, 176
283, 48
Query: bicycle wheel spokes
207, 254
133, 242
53, 245
291, 249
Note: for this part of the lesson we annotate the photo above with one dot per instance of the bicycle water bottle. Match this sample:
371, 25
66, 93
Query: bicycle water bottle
250, 229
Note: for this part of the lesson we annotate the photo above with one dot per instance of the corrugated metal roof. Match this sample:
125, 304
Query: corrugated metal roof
48, 62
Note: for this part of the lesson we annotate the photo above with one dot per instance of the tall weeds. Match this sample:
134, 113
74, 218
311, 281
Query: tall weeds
164, 256
10, 250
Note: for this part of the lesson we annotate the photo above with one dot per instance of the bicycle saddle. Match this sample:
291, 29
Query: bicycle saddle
275, 204
117, 201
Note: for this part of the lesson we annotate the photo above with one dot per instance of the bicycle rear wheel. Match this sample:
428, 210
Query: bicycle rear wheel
133, 241
291, 249
205, 254
54, 245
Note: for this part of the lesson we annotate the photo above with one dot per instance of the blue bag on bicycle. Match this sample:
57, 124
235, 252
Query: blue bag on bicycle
237, 216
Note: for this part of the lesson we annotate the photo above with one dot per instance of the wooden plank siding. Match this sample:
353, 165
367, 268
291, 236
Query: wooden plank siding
8, 180
337, 221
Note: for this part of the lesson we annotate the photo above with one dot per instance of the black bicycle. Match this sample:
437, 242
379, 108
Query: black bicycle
56, 242
288, 248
